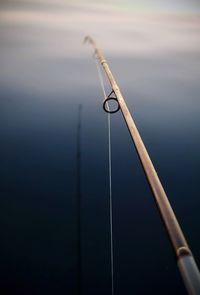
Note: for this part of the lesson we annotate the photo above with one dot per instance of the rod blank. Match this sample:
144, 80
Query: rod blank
186, 263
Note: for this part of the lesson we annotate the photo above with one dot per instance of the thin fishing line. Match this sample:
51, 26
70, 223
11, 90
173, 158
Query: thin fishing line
110, 175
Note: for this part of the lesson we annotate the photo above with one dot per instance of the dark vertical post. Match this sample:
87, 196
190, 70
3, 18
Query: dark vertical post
79, 285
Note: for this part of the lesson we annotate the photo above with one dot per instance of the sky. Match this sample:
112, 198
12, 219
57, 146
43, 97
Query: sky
31, 30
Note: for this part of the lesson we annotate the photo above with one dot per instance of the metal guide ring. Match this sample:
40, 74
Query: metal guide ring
105, 107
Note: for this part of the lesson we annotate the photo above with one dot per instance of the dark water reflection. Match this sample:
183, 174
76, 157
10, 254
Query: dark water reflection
42, 84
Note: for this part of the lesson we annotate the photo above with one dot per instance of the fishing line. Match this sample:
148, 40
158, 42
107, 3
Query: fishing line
110, 174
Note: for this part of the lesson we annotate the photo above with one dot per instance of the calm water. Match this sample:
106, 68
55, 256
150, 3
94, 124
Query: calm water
46, 73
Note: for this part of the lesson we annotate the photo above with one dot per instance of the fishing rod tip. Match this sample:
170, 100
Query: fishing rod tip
88, 39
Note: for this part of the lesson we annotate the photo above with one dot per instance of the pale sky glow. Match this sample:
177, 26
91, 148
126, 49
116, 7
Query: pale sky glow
154, 31
53, 30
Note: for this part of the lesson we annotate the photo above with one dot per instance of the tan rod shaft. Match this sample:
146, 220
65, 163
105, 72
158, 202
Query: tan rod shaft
185, 260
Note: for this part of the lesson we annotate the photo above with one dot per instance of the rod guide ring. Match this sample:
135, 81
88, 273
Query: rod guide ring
105, 104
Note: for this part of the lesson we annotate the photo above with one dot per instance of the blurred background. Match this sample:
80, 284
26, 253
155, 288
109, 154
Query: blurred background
48, 87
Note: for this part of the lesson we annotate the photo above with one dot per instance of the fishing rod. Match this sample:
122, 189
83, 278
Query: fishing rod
185, 260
